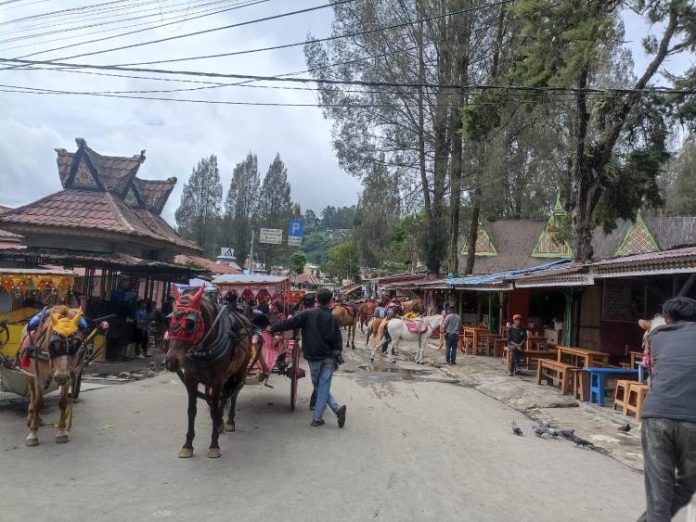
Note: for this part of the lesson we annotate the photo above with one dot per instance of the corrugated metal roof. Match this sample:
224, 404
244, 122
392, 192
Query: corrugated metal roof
500, 277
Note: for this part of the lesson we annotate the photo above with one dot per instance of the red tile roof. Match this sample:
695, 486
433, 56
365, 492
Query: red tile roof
94, 211
154, 192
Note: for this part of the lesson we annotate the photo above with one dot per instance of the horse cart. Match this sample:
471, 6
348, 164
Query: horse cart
278, 355
13, 379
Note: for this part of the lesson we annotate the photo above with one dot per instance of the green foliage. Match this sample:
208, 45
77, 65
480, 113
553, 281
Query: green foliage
342, 261
198, 214
298, 260
240, 205
680, 181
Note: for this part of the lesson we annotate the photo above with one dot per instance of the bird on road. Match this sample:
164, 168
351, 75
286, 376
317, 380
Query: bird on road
516, 430
625, 428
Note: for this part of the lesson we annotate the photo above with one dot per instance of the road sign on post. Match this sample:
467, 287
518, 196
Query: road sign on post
271, 236
295, 228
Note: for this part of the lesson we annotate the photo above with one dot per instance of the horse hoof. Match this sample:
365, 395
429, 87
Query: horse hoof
61, 439
186, 453
230, 427
214, 453
31, 442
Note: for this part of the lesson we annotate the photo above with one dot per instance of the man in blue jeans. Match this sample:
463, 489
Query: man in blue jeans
321, 346
669, 413
450, 326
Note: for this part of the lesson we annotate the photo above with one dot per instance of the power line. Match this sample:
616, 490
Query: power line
364, 83
67, 12
186, 35
128, 33
110, 21
319, 40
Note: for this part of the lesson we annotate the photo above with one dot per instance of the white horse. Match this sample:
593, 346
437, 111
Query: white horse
398, 331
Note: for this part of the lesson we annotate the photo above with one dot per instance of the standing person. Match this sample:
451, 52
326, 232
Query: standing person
517, 337
668, 434
141, 334
321, 346
450, 327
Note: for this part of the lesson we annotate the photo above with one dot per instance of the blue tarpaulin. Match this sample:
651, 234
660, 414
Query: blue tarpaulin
500, 277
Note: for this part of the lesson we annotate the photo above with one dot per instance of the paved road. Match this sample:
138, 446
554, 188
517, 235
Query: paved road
411, 450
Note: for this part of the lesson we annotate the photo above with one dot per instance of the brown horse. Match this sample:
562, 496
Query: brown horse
365, 312
208, 345
346, 316
414, 305
51, 354
373, 330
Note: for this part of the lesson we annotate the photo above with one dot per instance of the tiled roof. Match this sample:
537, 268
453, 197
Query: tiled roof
211, 266
95, 211
154, 192
113, 172
306, 278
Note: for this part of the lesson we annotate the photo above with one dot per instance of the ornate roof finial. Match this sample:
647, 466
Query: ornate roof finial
81, 143
142, 156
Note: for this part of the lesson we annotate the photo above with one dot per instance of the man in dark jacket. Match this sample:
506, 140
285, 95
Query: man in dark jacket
669, 413
517, 337
321, 346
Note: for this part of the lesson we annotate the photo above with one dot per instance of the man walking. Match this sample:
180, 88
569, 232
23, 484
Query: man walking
321, 346
669, 413
517, 337
451, 326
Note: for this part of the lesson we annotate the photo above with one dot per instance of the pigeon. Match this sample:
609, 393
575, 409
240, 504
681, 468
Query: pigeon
543, 428
516, 429
567, 434
625, 428
581, 442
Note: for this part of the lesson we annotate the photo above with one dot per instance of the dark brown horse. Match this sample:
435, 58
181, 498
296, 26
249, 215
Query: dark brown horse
209, 345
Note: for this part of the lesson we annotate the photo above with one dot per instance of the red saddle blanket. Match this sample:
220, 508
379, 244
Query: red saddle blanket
416, 326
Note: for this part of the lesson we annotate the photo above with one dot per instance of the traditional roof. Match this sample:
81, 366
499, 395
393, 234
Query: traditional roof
548, 245
678, 260
8, 239
249, 280
206, 264
484, 245
101, 198
638, 240
306, 278
501, 280
154, 192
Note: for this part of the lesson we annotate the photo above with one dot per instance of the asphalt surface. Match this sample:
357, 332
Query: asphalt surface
415, 447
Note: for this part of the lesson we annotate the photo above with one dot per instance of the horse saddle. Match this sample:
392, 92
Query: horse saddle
416, 326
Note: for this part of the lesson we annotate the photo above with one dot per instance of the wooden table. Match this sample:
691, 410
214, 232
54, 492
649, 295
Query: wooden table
536, 343
588, 358
476, 334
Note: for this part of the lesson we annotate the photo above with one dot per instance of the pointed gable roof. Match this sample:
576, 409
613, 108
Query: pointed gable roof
101, 197
86, 168
548, 246
638, 240
484, 244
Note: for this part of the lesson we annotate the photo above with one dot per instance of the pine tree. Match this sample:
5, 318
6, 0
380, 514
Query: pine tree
274, 209
199, 210
240, 205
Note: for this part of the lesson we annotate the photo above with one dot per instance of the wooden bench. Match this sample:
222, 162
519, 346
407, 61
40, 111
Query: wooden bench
529, 358
557, 373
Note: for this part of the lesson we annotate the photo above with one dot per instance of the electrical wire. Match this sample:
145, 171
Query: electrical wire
185, 35
364, 83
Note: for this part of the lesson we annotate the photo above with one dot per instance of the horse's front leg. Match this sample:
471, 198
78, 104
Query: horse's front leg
63, 435
33, 412
187, 450
214, 405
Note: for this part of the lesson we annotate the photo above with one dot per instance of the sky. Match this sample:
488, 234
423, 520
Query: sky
177, 135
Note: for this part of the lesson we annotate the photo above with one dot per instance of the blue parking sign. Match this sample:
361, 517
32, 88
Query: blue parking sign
296, 228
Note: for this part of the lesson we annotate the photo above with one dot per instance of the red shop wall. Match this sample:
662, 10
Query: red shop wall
518, 304
618, 338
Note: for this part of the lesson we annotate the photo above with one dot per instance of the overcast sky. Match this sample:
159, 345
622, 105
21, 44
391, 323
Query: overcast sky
176, 135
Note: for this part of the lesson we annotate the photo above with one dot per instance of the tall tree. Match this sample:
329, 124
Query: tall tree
240, 205
378, 209
201, 201
619, 137
274, 208
680, 181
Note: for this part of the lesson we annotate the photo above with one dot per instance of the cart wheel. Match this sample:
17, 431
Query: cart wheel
76, 388
295, 375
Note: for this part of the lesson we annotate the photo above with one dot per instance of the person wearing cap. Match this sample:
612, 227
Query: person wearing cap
517, 337
451, 326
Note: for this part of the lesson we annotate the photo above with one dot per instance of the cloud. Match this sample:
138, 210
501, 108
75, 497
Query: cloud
175, 135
